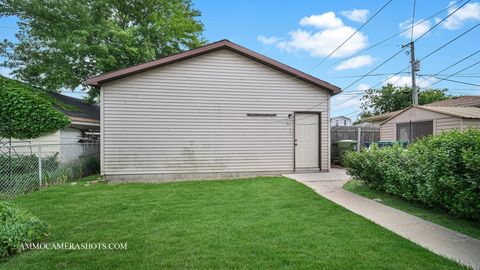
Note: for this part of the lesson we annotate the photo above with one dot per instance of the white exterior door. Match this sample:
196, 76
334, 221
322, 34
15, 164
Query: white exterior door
307, 141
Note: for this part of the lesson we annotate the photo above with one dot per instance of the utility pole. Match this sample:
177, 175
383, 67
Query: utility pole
415, 67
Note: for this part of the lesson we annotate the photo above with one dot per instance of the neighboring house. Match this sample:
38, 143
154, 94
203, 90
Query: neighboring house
84, 127
217, 111
340, 121
461, 101
418, 121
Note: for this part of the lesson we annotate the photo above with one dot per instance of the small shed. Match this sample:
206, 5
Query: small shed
418, 121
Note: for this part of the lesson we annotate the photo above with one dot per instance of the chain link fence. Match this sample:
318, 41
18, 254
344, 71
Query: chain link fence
28, 167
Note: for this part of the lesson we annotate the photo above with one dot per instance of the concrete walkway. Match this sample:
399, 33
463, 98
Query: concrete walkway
438, 239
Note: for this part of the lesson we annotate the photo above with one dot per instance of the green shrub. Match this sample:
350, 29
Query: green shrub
441, 171
17, 228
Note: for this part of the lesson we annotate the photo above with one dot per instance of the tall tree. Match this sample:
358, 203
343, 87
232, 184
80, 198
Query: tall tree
60, 43
391, 98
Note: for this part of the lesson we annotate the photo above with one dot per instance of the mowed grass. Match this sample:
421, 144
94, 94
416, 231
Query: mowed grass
258, 223
468, 227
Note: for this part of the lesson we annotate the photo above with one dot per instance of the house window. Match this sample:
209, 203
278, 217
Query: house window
409, 132
403, 132
344, 122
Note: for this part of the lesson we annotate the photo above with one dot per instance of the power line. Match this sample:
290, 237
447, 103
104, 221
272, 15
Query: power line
413, 61
447, 78
459, 75
455, 81
377, 67
395, 35
450, 66
354, 33
370, 75
354, 112
428, 55
413, 19
442, 20
448, 43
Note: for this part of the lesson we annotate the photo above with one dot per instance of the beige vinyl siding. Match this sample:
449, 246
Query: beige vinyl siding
447, 123
471, 123
388, 132
190, 117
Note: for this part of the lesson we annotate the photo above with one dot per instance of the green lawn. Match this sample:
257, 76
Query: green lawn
259, 223
471, 228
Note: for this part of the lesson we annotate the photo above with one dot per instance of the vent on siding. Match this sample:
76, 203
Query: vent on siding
262, 114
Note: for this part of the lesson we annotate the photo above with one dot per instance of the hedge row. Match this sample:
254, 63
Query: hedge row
441, 171
18, 227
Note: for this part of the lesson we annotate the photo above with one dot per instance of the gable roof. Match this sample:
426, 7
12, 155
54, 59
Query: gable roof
461, 101
340, 116
381, 117
462, 112
219, 45
84, 112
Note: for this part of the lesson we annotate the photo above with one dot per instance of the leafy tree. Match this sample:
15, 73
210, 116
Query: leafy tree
391, 98
63, 42
27, 112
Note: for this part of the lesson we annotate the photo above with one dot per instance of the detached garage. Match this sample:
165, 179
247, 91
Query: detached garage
218, 111
418, 121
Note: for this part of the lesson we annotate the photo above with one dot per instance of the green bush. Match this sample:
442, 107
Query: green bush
441, 171
17, 228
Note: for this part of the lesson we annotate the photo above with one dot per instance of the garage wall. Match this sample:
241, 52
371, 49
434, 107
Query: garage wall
447, 123
441, 122
189, 119
471, 123
388, 132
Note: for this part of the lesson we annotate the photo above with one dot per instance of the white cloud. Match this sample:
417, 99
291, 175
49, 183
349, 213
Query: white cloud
341, 102
418, 28
320, 42
268, 40
356, 15
324, 21
363, 87
401, 81
470, 11
355, 62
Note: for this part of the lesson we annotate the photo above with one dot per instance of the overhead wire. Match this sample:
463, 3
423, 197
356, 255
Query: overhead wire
353, 34
450, 66
395, 35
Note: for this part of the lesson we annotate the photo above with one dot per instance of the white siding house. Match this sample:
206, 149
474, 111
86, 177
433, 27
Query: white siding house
65, 142
340, 121
213, 112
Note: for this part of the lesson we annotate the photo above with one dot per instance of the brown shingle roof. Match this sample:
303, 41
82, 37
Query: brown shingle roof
223, 44
381, 117
464, 112
461, 101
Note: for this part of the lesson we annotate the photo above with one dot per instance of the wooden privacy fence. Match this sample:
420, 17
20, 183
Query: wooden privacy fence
366, 135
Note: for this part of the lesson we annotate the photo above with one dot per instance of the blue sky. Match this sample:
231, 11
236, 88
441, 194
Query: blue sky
301, 33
